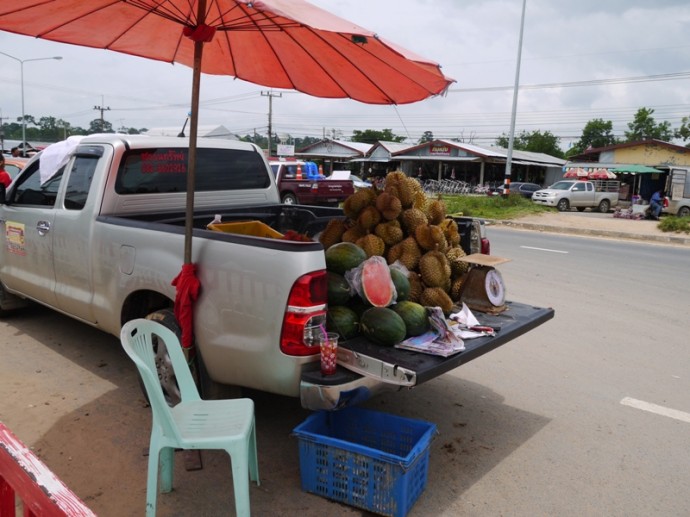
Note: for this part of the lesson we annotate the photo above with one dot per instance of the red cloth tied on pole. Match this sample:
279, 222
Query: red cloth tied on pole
188, 287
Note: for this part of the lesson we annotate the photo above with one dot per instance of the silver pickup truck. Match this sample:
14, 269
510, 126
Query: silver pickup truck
101, 238
566, 194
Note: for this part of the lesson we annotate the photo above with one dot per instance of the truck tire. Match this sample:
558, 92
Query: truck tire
604, 206
10, 302
289, 199
208, 388
166, 375
563, 205
684, 211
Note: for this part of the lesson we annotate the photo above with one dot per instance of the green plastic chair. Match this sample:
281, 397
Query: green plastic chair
193, 423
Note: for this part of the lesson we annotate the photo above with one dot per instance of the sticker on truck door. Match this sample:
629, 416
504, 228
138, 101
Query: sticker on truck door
14, 235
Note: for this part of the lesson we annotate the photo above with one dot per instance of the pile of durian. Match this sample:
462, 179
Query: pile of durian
402, 224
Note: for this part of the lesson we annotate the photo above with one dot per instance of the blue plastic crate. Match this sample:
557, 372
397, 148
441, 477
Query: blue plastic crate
364, 458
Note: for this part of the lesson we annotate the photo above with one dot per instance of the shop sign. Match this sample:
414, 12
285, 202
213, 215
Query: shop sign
439, 150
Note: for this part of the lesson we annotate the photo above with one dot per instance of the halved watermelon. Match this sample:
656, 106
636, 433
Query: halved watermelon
377, 286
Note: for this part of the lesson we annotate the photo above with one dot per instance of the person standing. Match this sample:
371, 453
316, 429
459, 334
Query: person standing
15, 152
656, 203
5, 177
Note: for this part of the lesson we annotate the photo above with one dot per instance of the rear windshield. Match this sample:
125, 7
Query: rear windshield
147, 171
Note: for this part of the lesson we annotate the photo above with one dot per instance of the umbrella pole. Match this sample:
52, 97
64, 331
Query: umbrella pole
191, 167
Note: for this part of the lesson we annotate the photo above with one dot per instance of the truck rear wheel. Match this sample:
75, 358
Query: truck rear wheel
684, 211
166, 374
563, 205
604, 206
208, 388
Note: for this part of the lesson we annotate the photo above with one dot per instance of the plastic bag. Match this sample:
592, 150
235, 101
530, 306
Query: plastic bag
372, 281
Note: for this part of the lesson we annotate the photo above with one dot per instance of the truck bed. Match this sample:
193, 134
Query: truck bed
407, 368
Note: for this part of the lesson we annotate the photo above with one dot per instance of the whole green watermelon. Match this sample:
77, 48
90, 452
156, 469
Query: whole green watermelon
343, 321
402, 284
344, 256
382, 326
338, 289
414, 315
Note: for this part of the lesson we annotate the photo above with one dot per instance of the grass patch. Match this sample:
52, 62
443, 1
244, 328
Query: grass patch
675, 224
493, 207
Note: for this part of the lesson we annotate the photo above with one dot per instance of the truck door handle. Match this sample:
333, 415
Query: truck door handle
42, 227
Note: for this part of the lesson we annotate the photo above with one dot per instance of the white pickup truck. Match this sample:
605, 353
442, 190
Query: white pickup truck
566, 194
102, 239
678, 189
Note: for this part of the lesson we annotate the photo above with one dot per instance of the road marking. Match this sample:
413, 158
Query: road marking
659, 410
544, 249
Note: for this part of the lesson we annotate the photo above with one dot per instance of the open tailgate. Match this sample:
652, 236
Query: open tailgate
407, 368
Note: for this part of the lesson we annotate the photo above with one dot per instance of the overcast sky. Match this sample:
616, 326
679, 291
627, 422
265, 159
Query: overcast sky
580, 60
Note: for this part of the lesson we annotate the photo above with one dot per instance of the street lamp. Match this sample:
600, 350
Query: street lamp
21, 66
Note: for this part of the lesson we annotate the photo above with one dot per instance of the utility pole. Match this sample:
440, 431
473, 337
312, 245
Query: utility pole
509, 158
102, 109
270, 95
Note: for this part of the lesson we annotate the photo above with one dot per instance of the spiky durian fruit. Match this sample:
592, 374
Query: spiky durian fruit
435, 270
355, 203
450, 230
456, 287
411, 218
430, 237
390, 232
389, 206
436, 211
372, 245
353, 233
416, 286
333, 233
407, 252
420, 200
368, 218
457, 267
436, 297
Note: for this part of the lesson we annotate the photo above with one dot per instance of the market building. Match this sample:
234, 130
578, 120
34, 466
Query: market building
642, 166
333, 154
437, 159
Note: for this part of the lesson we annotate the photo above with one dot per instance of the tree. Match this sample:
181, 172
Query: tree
683, 132
428, 136
644, 127
597, 133
535, 142
371, 136
100, 126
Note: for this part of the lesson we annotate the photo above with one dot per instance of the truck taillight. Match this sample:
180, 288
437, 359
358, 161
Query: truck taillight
304, 315
486, 246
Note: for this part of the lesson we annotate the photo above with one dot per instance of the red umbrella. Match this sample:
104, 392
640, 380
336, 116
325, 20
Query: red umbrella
602, 174
577, 173
276, 43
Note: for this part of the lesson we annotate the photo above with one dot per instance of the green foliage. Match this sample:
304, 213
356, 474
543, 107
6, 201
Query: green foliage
428, 136
644, 127
493, 207
535, 141
675, 224
597, 133
371, 136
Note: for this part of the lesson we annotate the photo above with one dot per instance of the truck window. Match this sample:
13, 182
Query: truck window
79, 181
579, 187
30, 191
149, 171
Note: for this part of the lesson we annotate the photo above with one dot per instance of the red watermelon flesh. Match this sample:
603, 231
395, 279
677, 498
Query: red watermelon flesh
377, 286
